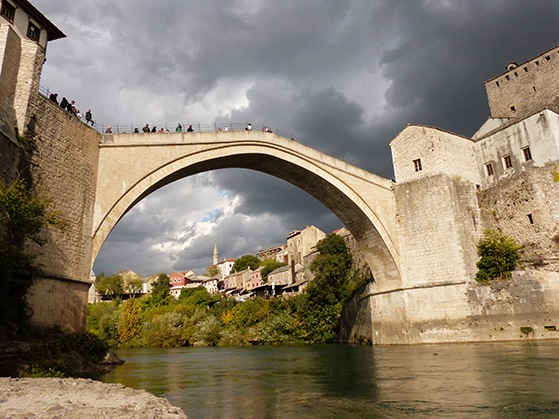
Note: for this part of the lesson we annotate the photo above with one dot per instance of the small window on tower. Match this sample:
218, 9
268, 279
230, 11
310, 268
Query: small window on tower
507, 162
489, 169
512, 108
33, 32
8, 11
417, 165
527, 153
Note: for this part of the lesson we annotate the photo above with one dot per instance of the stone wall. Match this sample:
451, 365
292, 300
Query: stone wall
524, 207
525, 89
64, 168
436, 151
523, 307
439, 226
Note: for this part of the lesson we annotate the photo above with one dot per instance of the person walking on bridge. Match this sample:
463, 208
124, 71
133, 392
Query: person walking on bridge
88, 118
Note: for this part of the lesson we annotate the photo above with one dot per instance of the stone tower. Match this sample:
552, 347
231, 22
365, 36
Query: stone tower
215, 254
24, 34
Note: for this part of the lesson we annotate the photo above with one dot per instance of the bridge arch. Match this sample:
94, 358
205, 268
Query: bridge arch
143, 163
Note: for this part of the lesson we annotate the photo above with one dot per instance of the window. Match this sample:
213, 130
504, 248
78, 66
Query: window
497, 83
507, 162
515, 74
33, 32
417, 165
525, 69
512, 108
547, 58
530, 218
507, 77
537, 63
534, 87
489, 169
527, 154
8, 11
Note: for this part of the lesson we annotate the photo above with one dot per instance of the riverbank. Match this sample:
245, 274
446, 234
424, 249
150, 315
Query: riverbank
49, 398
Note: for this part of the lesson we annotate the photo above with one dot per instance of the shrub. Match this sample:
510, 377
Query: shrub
130, 321
209, 330
277, 329
165, 331
499, 256
103, 319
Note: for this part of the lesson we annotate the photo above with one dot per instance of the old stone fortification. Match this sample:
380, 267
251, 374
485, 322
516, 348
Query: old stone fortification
523, 88
64, 168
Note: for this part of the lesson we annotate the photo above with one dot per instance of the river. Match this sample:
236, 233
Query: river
483, 380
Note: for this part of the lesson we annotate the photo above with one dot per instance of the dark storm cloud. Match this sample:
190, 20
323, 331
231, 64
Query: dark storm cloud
347, 76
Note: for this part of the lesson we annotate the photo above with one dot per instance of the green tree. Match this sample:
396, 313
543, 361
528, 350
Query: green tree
130, 321
160, 291
317, 310
332, 268
499, 256
199, 297
134, 286
245, 262
109, 285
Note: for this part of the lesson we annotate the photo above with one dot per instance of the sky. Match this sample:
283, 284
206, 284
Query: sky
345, 75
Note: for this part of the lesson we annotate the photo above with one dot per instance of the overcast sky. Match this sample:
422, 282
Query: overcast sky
345, 75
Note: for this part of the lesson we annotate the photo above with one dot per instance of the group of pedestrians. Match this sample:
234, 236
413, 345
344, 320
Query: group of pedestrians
70, 108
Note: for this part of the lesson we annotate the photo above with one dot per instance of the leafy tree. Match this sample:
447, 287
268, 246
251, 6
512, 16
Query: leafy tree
269, 265
103, 320
499, 256
199, 297
134, 286
332, 267
209, 330
109, 285
318, 309
245, 262
160, 291
130, 321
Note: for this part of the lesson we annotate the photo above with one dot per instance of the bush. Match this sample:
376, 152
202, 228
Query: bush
277, 329
499, 256
165, 331
103, 320
209, 330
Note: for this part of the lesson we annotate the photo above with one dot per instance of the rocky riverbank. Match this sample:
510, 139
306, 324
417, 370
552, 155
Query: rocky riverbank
68, 398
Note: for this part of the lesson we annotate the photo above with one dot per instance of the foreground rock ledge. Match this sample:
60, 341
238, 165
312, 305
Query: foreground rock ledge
68, 398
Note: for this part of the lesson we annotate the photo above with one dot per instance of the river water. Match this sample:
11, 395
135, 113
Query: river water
485, 380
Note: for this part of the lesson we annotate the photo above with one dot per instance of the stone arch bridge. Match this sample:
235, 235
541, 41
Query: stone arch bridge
131, 166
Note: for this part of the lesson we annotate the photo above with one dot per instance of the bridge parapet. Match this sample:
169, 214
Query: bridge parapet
159, 139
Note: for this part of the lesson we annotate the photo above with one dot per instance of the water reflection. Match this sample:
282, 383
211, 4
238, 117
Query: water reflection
341, 381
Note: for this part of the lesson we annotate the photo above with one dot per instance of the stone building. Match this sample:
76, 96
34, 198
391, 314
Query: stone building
278, 253
525, 88
301, 242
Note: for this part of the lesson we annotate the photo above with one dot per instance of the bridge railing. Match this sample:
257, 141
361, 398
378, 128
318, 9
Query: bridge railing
219, 126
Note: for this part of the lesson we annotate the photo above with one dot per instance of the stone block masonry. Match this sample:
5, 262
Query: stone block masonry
64, 168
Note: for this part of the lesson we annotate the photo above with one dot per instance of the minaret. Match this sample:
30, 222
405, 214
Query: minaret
215, 254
